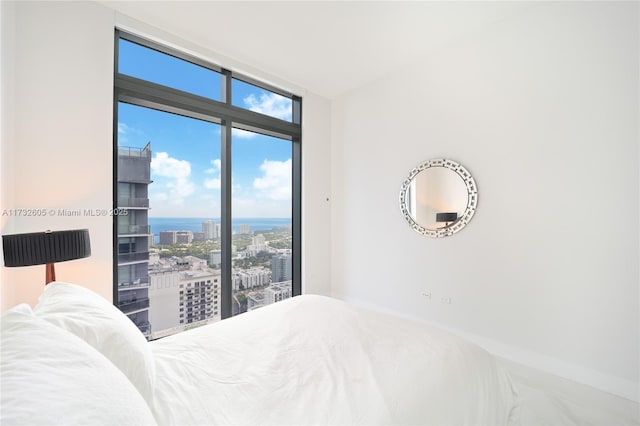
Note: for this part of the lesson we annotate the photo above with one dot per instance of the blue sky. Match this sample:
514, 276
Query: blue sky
185, 166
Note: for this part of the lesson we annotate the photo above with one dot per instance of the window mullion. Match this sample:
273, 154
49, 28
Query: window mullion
225, 194
225, 221
152, 95
296, 218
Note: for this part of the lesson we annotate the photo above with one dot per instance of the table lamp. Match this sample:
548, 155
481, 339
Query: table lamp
446, 217
46, 248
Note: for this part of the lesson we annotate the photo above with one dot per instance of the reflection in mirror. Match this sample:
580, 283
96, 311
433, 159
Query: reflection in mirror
435, 191
438, 198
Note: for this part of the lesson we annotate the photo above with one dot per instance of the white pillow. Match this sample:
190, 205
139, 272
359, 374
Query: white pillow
50, 376
96, 321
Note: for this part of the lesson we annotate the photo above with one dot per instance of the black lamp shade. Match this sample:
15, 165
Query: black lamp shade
48, 247
446, 217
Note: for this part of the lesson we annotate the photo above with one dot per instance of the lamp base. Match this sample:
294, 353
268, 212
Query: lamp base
50, 274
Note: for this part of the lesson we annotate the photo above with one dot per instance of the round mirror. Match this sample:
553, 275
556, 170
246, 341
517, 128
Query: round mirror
438, 198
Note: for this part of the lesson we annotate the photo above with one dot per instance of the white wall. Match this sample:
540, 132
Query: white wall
543, 111
316, 191
7, 99
57, 138
59, 151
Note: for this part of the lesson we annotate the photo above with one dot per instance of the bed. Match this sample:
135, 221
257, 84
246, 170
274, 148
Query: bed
76, 359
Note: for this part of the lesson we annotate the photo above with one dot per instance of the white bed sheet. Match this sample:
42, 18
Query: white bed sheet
549, 400
317, 360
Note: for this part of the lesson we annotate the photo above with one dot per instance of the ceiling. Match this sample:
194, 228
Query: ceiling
325, 47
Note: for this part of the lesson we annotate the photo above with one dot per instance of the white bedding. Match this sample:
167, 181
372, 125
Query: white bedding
316, 360
73, 360
51, 377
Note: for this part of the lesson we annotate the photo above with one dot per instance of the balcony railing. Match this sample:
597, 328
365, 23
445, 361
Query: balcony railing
140, 282
134, 229
127, 151
145, 328
133, 305
133, 202
133, 257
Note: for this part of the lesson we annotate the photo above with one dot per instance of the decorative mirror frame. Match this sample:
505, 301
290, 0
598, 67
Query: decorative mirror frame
472, 198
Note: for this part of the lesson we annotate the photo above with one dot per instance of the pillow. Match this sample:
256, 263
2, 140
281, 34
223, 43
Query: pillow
96, 321
50, 376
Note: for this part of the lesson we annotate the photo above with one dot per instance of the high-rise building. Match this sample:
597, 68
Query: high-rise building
246, 279
184, 237
183, 293
164, 295
272, 294
211, 230
199, 296
255, 300
215, 258
168, 238
257, 245
175, 237
134, 177
277, 292
244, 228
281, 268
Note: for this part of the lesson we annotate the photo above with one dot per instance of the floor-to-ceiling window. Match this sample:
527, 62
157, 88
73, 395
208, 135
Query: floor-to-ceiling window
207, 186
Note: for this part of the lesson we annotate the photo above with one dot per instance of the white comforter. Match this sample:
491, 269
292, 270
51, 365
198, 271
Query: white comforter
316, 360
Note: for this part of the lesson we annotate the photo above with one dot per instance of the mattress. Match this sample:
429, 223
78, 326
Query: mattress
303, 361
317, 360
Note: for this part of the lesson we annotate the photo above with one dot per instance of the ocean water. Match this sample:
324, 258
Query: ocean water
194, 224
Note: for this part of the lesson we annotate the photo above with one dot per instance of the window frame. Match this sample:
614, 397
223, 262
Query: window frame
146, 94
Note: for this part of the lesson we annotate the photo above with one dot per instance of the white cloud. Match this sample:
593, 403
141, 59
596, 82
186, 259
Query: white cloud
177, 186
213, 183
217, 166
180, 188
126, 133
249, 207
123, 130
276, 181
243, 134
163, 165
270, 104
161, 196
